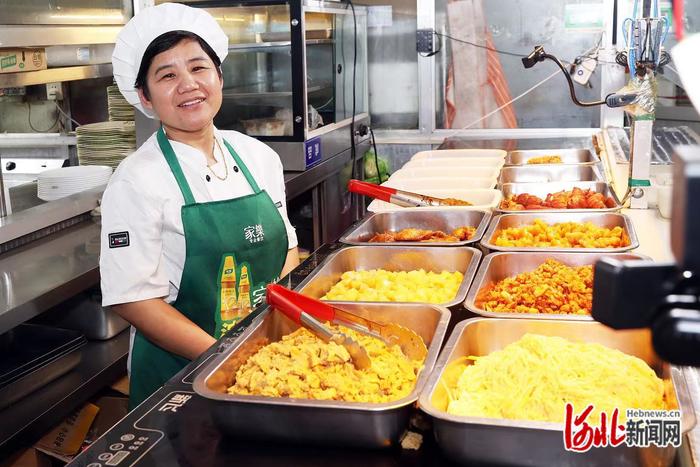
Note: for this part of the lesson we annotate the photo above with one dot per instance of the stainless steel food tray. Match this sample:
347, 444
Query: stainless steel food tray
543, 189
360, 258
568, 156
498, 266
604, 219
444, 220
547, 173
509, 442
310, 421
84, 312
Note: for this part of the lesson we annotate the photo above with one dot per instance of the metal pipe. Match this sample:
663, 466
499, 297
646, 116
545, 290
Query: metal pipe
3, 208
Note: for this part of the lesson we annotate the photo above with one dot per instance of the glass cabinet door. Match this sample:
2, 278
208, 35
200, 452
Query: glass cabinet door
76, 12
330, 42
344, 50
257, 74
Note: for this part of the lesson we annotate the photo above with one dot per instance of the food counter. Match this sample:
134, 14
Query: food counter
175, 426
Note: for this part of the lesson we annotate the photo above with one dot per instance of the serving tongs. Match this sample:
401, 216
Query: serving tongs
401, 198
280, 302
306, 310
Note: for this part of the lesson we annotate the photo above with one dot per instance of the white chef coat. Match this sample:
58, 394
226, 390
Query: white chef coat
144, 200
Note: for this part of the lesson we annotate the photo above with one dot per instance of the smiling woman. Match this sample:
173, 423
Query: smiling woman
200, 213
180, 81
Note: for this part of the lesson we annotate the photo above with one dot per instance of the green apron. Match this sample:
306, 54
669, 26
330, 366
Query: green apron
234, 248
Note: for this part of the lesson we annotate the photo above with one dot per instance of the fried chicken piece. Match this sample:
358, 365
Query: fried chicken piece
558, 200
386, 237
464, 233
410, 235
441, 238
595, 201
526, 198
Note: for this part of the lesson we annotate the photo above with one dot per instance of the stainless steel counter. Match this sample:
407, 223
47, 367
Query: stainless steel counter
46, 272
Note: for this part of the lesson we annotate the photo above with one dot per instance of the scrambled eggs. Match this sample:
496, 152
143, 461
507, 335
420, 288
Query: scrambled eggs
378, 285
303, 366
563, 234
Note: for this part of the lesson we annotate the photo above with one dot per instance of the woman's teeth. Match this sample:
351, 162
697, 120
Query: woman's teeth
191, 103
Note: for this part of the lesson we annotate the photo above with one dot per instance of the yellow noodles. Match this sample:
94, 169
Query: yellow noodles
533, 379
301, 365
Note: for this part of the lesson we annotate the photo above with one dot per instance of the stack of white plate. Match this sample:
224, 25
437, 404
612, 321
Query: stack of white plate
105, 143
119, 109
57, 183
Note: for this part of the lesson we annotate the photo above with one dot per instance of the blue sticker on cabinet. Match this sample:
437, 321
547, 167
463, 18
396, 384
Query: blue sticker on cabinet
312, 151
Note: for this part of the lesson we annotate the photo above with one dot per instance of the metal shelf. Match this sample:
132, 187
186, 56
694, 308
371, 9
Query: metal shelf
48, 35
55, 75
257, 95
261, 46
30, 418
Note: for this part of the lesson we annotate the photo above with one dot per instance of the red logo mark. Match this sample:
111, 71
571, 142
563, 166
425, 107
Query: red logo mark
580, 436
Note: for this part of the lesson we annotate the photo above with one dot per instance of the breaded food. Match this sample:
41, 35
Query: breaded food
303, 366
379, 285
573, 199
419, 235
563, 235
551, 288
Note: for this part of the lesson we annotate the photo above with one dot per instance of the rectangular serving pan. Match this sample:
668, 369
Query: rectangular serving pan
444, 220
546, 173
420, 185
406, 258
543, 189
604, 219
455, 162
453, 173
481, 198
498, 266
568, 156
310, 421
515, 442
84, 313
448, 153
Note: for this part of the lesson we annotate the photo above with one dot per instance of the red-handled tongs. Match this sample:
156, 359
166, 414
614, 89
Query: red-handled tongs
410, 343
277, 299
402, 198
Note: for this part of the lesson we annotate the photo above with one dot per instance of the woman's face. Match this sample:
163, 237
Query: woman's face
184, 87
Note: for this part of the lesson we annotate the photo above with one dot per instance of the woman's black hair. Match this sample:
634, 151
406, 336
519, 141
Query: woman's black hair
167, 41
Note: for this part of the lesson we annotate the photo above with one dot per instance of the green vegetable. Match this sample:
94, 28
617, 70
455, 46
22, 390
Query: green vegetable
371, 162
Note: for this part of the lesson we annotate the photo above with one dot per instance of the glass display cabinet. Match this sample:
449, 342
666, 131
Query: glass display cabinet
291, 74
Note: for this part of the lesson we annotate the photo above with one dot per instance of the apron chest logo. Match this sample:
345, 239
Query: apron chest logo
118, 239
254, 233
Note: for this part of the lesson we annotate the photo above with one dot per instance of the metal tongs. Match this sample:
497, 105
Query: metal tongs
401, 198
308, 311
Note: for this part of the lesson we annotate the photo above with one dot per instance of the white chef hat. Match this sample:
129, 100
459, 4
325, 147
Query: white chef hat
685, 58
142, 29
